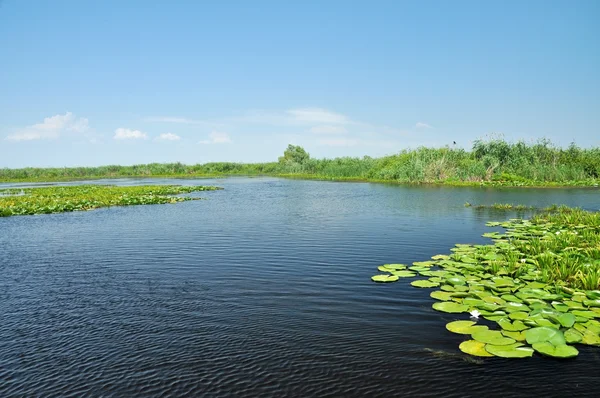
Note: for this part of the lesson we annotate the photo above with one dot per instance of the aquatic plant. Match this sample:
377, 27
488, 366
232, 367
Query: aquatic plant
539, 282
492, 162
60, 199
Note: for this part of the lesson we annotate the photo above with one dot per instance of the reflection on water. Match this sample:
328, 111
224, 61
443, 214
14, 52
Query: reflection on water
262, 290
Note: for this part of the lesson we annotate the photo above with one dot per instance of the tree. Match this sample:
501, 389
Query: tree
294, 154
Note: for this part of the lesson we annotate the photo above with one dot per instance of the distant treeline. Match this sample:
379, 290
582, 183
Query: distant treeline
490, 162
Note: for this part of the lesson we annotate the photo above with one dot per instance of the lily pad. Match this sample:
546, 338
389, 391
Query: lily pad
424, 283
395, 266
403, 274
509, 351
465, 327
515, 326
518, 315
450, 307
456, 280
559, 351
439, 295
384, 278
573, 336
475, 348
519, 336
492, 337
545, 334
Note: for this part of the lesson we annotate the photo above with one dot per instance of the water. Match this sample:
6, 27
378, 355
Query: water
261, 290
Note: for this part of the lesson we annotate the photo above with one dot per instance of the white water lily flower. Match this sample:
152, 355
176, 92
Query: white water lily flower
523, 260
475, 313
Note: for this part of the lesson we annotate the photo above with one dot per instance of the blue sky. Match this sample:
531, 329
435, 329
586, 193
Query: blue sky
126, 82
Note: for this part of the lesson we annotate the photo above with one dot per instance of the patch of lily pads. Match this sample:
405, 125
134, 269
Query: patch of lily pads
538, 283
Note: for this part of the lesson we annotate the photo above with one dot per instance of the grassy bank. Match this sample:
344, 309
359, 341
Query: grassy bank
492, 162
15, 202
536, 284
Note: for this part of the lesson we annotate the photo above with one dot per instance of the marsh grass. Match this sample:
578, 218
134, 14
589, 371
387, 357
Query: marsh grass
490, 162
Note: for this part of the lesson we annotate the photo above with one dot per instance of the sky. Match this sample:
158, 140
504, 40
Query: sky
88, 83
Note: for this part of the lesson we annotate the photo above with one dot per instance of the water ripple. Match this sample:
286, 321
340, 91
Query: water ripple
261, 290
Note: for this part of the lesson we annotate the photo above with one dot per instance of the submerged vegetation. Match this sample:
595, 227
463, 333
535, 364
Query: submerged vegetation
491, 162
15, 202
538, 282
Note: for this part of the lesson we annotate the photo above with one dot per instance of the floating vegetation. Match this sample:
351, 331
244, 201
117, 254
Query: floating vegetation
501, 206
539, 283
26, 201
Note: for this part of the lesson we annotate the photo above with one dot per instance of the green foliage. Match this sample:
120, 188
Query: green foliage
15, 202
490, 162
539, 282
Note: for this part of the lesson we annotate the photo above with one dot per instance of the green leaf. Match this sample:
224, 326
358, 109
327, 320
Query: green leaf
439, 295
492, 337
559, 351
545, 334
450, 307
403, 274
465, 327
475, 348
384, 278
509, 351
424, 283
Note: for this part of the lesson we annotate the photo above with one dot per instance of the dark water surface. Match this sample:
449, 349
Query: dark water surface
261, 290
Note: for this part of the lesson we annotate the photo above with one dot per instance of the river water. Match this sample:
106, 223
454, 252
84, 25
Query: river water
263, 290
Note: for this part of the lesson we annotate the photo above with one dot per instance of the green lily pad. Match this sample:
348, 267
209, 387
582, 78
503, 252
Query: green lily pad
403, 274
447, 288
573, 336
439, 295
440, 257
509, 351
424, 283
492, 337
424, 263
518, 315
384, 278
591, 303
545, 334
465, 327
515, 326
590, 338
519, 336
566, 319
593, 294
494, 300
450, 307
475, 348
456, 280
511, 298
396, 267
585, 314
516, 307
559, 351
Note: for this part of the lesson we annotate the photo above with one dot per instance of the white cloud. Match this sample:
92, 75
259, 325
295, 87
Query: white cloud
51, 128
421, 125
217, 138
168, 137
317, 115
128, 134
339, 142
328, 130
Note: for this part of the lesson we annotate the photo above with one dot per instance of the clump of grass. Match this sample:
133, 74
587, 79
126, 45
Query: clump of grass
14, 202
